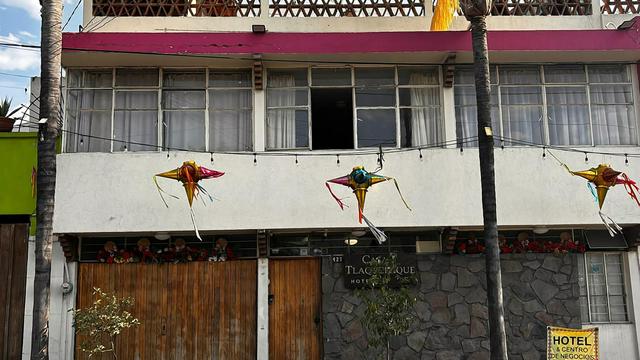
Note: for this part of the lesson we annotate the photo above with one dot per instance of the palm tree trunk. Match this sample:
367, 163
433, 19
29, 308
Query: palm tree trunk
492, 255
51, 47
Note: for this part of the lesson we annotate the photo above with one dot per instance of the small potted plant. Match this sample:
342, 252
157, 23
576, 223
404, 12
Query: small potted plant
6, 123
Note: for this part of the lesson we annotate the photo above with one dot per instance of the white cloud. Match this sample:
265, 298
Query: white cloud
27, 34
12, 59
32, 7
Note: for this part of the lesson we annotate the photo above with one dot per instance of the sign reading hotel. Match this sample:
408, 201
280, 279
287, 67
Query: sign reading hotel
572, 344
357, 269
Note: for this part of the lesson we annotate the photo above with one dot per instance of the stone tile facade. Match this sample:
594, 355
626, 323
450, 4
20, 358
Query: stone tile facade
451, 311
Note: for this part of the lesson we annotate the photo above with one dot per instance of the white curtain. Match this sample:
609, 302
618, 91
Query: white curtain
281, 121
612, 113
568, 115
136, 120
522, 115
89, 113
230, 120
425, 111
467, 114
597, 287
184, 119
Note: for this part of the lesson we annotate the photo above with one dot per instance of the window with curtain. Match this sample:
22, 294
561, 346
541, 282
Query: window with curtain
183, 109
287, 121
135, 124
230, 111
375, 107
419, 94
465, 106
602, 287
88, 111
563, 104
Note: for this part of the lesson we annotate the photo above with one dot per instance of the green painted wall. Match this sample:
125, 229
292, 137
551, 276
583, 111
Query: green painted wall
18, 156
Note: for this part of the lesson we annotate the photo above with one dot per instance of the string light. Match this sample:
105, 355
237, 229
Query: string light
626, 160
255, 159
544, 152
212, 158
296, 159
586, 157
168, 153
420, 151
338, 159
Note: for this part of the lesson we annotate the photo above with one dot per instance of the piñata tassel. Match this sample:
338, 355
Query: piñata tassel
611, 225
400, 193
592, 188
160, 191
195, 227
630, 186
443, 14
377, 233
340, 202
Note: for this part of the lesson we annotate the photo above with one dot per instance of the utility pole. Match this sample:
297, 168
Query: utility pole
50, 73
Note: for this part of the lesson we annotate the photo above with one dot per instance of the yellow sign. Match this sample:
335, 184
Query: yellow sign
572, 344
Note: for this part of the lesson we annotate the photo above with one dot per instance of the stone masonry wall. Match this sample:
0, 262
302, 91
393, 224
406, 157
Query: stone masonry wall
539, 290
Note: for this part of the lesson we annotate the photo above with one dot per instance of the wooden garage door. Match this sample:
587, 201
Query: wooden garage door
197, 310
13, 278
295, 328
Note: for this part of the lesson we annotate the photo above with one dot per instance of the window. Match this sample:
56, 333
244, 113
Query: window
88, 109
553, 104
130, 109
602, 287
353, 107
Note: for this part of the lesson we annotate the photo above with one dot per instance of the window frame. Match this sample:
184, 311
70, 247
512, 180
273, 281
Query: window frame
586, 283
352, 68
496, 84
160, 142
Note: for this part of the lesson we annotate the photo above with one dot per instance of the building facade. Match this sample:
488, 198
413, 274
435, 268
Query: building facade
282, 96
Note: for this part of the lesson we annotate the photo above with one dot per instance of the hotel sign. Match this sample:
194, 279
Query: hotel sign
572, 344
358, 269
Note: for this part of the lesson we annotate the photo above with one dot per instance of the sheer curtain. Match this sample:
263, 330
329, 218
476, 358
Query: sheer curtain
568, 115
467, 114
135, 120
183, 110
230, 120
281, 120
89, 112
425, 111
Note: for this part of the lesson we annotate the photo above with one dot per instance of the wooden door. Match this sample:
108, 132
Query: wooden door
197, 310
295, 328
13, 279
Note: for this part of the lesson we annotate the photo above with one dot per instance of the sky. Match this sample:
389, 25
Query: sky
20, 23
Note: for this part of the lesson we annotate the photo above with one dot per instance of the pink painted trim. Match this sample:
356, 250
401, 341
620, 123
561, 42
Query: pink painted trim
331, 43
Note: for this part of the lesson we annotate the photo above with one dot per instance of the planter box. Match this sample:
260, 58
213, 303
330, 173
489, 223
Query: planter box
6, 124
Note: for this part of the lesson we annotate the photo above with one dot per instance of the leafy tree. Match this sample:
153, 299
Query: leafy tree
388, 303
100, 323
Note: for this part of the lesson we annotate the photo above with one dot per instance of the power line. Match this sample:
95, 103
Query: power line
16, 75
71, 16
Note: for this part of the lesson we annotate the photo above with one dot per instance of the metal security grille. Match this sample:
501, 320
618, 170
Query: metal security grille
233, 8
345, 8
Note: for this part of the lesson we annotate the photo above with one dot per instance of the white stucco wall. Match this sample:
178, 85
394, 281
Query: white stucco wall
443, 189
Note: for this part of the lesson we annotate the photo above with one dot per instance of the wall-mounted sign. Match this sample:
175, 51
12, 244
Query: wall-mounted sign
358, 269
336, 259
579, 344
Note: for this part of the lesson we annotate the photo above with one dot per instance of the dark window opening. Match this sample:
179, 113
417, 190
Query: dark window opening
332, 119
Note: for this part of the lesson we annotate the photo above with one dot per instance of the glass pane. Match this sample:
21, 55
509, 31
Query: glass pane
568, 116
137, 77
194, 79
287, 78
464, 75
184, 130
614, 124
97, 124
136, 100
230, 99
375, 97
89, 100
609, 73
376, 127
74, 78
331, 77
419, 126
466, 115
374, 76
287, 129
611, 94
287, 97
182, 99
226, 79
519, 75
98, 79
230, 130
564, 74
522, 114
420, 96
139, 127
418, 76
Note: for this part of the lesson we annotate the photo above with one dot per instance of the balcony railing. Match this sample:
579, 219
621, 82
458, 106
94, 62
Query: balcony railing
344, 8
